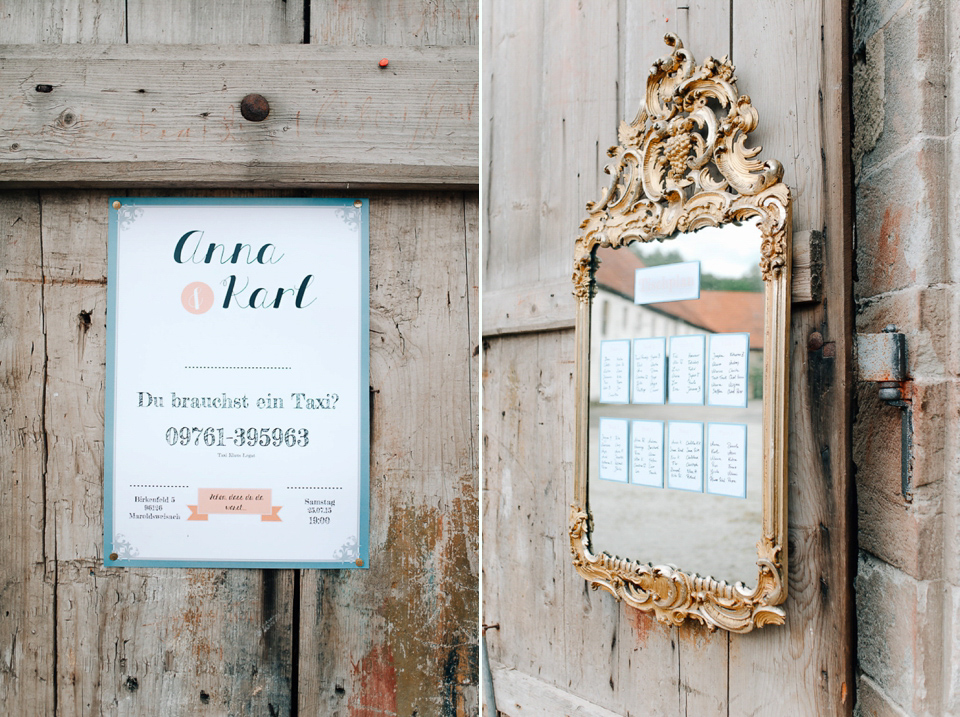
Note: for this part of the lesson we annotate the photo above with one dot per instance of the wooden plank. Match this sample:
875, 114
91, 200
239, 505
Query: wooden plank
576, 124
215, 22
808, 664
63, 21
807, 272
520, 694
28, 569
513, 190
405, 630
144, 639
541, 307
132, 115
410, 23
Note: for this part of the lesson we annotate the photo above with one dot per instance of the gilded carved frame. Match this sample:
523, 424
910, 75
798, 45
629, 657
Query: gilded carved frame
680, 166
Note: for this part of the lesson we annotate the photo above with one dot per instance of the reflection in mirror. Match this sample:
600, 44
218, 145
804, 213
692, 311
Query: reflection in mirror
675, 456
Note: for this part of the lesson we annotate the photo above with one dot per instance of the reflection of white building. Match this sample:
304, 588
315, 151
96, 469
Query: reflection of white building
615, 316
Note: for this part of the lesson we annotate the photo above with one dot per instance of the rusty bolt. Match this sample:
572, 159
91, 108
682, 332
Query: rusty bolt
254, 108
830, 349
815, 342
359, 562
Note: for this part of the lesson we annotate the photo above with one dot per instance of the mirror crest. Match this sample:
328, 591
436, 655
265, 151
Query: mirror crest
682, 165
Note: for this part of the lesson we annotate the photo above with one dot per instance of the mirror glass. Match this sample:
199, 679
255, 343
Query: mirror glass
675, 472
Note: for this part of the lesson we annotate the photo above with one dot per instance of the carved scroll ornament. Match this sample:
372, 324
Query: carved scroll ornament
683, 164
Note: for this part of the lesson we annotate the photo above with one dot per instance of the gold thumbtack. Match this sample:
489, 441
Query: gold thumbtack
114, 556
358, 204
359, 562
117, 205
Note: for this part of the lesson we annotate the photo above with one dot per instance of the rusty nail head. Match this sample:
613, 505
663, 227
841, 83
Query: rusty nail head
254, 108
114, 556
384, 62
117, 205
359, 562
44, 88
815, 342
830, 349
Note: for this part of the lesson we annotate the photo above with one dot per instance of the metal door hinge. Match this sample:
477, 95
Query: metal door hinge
882, 359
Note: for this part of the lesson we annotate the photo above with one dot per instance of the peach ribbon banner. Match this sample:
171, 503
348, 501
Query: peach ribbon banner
234, 501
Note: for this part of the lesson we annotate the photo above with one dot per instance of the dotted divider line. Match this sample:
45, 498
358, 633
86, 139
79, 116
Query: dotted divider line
244, 368
159, 486
314, 487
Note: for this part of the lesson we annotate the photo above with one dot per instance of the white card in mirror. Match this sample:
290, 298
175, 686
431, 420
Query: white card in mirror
727, 459
613, 449
646, 452
669, 282
686, 369
728, 360
685, 455
615, 371
649, 376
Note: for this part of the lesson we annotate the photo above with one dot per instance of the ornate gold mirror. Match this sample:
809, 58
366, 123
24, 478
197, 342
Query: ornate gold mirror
682, 276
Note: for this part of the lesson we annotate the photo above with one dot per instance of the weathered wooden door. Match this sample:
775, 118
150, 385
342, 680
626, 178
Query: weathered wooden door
96, 100
558, 79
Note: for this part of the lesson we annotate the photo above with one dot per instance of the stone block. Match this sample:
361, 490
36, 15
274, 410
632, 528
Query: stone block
925, 315
914, 82
872, 702
901, 216
899, 638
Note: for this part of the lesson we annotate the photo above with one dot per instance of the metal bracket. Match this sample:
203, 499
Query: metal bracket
882, 359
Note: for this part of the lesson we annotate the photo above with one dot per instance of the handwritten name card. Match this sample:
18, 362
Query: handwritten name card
686, 369
649, 375
727, 459
728, 361
615, 371
685, 456
613, 449
646, 450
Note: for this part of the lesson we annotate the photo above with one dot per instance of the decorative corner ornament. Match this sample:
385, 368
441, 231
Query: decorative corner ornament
681, 165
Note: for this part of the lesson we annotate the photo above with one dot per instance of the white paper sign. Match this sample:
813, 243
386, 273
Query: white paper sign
646, 453
615, 371
686, 369
670, 282
613, 449
727, 459
238, 391
685, 456
729, 356
649, 374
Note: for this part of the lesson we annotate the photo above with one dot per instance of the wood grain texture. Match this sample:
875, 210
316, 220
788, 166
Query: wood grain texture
215, 22
406, 629
144, 639
62, 21
411, 23
593, 648
132, 114
521, 694
28, 567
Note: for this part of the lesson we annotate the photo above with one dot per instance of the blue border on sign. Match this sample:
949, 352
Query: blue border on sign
633, 423
746, 371
663, 370
666, 459
629, 367
704, 365
626, 426
363, 539
706, 469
